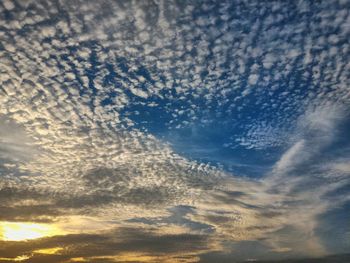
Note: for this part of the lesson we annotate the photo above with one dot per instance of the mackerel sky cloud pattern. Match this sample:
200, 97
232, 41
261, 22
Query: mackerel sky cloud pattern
175, 131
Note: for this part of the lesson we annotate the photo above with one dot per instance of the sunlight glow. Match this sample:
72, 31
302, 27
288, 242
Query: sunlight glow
15, 231
49, 251
19, 258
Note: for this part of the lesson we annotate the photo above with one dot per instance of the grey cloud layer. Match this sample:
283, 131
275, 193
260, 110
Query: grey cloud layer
105, 245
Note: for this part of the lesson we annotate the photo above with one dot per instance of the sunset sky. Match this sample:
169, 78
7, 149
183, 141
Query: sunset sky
174, 131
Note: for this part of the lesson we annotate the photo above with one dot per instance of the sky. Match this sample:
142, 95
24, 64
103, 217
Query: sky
174, 131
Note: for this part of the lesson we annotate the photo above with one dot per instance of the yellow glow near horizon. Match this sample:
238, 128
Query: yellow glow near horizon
134, 257
49, 251
19, 258
15, 231
78, 259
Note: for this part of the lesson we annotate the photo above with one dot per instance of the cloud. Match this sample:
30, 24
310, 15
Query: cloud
89, 88
292, 156
343, 167
115, 245
16, 146
228, 258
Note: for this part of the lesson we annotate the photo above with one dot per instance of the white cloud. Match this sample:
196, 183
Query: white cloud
8, 5
342, 167
253, 79
292, 157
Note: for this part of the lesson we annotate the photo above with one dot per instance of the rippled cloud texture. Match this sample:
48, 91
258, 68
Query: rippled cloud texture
174, 131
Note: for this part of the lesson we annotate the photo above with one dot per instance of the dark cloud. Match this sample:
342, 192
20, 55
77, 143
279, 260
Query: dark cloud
334, 228
178, 216
31, 213
27, 204
240, 252
122, 240
227, 258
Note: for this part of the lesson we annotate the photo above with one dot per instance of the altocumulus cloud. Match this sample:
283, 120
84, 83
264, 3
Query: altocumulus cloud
175, 131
